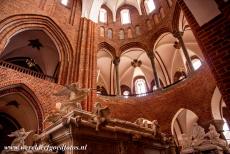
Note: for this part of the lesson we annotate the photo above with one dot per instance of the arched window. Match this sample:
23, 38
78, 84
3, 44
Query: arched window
156, 19
169, 3
125, 16
102, 31
140, 86
138, 30
130, 34
126, 93
149, 6
179, 75
162, 12
125, 90
196, 63
149, 24
121, 34
103, 15
226, 131
64, 2
110, 33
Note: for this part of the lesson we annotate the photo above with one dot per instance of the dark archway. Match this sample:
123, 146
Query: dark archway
7, 125
12, 25
33, 50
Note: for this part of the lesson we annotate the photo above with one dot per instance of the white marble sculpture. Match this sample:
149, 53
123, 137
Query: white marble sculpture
75, 94
100, 115
197, 140
186, 141
20, 137
154, 125
197, 135
215, 139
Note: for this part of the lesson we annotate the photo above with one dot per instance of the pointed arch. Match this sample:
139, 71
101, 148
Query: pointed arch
33, 101
133, 45
22, 22
108, 47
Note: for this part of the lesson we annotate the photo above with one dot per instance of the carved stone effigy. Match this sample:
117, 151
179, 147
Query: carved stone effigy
153, 125
197, 141
97, 130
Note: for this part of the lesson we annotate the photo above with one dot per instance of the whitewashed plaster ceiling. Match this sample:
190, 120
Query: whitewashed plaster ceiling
169, 59
47, 57
90, 8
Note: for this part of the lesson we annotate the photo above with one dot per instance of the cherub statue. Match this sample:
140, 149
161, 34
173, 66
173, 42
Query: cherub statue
101, 115
75, 94
215, 139
21, 136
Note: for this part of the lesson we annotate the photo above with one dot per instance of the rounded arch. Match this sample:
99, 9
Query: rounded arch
104, 45
216, 104
130, 45
182, 123
12, 25
126, 5
30, 98
104, 72
156, 36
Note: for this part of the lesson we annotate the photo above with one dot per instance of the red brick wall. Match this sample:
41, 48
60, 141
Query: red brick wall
41, 90
214, 40
194, 93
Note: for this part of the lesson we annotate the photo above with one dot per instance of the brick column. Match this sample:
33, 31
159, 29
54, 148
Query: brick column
85, 61
152, 59
116, 62
178, 35
214, 40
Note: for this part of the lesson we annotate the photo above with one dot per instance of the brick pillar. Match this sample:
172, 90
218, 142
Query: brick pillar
116, 62
152, 59
85, 60
214, 40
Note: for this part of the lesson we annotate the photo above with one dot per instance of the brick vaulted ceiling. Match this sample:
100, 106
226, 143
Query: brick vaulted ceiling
90, 8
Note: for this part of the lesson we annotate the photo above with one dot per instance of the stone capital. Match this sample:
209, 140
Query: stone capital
177, 34
151, 54
116, 60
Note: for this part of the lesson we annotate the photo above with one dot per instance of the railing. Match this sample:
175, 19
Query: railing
26, 71
149, 92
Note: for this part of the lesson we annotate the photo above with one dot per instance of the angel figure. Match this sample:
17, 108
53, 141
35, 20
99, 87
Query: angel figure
21, 135
100, 115
75, 94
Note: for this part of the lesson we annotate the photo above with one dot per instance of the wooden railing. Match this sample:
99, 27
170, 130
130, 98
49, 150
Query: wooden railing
26, 71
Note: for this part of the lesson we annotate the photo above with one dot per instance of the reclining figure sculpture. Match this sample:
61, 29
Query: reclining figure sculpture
153, 125
197, 139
